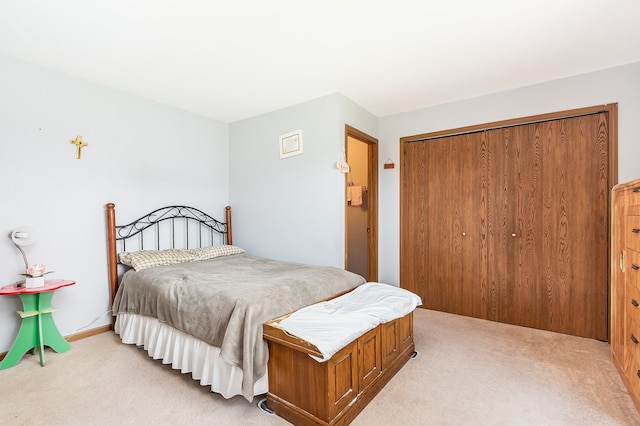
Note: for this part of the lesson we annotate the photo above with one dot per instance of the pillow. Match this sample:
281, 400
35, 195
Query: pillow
149, 258
143, 259
205, 253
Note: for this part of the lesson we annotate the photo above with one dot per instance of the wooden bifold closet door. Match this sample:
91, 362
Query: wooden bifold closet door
511, 223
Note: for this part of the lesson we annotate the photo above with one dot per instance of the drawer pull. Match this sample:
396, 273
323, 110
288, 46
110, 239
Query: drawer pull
636, 189
638, 373
634, 339
636, 230
635, 267
635, 303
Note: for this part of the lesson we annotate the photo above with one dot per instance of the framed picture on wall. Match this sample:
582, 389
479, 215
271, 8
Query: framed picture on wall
291, 144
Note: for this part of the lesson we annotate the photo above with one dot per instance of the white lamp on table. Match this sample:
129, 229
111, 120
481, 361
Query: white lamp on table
21, 237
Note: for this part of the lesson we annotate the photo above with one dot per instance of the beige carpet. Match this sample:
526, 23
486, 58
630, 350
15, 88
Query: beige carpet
468, 372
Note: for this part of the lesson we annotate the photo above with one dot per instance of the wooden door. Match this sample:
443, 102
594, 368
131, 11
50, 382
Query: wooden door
361, 222
441, 231
576, 224
547, 225
534, 199
514, 218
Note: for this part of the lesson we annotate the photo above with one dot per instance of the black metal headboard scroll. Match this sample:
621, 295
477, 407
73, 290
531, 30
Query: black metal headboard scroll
176, 217
164, 228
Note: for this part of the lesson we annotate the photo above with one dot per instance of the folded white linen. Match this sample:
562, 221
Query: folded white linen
331, 325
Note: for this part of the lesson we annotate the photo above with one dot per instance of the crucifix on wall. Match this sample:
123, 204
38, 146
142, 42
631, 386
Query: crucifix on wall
79, 145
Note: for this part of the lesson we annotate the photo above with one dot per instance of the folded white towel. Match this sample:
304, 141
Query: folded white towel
331, 325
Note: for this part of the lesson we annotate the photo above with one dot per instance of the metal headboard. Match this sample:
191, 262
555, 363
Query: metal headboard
163, 228
175, 217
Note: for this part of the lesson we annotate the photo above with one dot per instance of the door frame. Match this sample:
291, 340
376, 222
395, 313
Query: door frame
372, 196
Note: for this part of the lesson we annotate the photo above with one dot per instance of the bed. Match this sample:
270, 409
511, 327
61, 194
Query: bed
181, 290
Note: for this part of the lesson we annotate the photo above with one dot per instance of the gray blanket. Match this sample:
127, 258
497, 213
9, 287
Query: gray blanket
224, 301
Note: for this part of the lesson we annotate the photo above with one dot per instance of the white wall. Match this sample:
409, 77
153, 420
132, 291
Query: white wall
141, 155
293, 209
621, 85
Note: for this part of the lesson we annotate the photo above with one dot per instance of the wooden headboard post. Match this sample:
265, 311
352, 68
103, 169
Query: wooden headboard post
228, 220
112, 254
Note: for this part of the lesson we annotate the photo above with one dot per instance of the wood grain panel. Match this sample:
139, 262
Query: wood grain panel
618, 298
414, 211
547, 228
296, 375
342, 379
467, 225
511, 223
513, 240
390, 342
633, 232
405, 332
441, 228
370, 357
632, 265
576, 224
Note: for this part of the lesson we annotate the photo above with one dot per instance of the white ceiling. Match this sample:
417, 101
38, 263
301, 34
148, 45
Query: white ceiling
240, 58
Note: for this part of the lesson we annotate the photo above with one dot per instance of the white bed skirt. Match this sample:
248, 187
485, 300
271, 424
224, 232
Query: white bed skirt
185, 353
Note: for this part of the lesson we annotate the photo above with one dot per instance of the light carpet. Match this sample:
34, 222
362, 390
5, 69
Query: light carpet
468, 372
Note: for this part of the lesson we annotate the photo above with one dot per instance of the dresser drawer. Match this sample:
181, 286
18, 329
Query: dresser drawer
633, 232
632, 338
632, 302
633, 196
632, 373
632, 268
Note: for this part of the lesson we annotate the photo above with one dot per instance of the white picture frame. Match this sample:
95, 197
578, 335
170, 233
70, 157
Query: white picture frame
291, 144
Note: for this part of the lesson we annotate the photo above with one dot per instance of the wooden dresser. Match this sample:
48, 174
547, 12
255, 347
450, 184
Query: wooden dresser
625, 288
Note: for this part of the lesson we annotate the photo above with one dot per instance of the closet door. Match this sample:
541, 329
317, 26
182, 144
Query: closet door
576, 224
514, 226
441, 234
547, 225
509, 221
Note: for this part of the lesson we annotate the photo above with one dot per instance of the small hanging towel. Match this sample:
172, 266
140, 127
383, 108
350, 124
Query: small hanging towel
356, 195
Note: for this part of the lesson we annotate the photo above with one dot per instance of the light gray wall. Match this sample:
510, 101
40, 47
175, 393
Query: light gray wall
141, 155
621, 85
293, 209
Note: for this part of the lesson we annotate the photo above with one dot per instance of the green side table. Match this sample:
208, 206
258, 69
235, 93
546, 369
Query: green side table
37, 329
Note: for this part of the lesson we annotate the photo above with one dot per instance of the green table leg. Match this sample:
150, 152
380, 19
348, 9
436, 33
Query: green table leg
52, 336
36, 331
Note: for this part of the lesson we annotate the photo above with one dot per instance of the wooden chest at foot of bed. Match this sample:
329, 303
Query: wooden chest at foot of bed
307, 392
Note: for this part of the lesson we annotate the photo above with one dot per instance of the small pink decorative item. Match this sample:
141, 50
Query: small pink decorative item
35, 276
34, 271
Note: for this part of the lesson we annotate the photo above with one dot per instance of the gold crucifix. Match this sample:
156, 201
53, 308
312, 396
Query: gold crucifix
79, 145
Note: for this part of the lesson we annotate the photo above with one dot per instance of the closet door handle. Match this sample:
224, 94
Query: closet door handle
635, 267
635, 303
636, 189
638, 373
634, 339
636, 230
